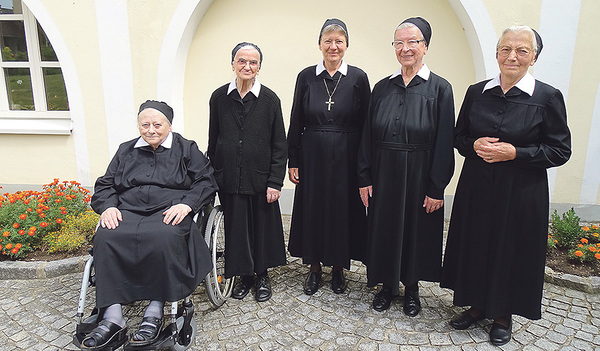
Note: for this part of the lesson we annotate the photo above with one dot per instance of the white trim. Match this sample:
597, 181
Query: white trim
481, 36
556, 60
174, 52
76, 111
116, 71
590, 184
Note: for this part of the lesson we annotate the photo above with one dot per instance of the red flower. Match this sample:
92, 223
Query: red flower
23, 216
6, 234
31, 233
9, 246
18, 246
43, 224
42, 215
15, 225
39, 210
26, 202
21, 232
59, 220
14, 251
63, 212
32, 229
57, 201
597, 256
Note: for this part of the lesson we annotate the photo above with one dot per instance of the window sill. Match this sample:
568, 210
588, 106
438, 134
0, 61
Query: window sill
52, 123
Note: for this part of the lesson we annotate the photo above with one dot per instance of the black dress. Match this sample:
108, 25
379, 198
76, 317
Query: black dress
247, 147
406, 154
496, 248
328, 219
143, 258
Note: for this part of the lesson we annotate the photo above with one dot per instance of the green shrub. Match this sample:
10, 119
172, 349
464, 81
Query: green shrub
565, 230
75, 232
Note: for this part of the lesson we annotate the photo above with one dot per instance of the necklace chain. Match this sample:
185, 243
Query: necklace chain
329, 102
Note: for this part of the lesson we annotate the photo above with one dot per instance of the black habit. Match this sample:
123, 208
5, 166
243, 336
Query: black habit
246, 144
496, 248
328, 219
406, 153
144, 258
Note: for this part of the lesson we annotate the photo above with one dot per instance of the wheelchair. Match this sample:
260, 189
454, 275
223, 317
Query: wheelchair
180, 328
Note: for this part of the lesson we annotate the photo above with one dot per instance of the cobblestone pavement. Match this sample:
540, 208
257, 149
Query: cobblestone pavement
39, 314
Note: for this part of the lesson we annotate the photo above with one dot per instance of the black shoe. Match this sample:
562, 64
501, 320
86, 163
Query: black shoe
383, 299
311, 285
464, 320
338, 282
263, 288
242, 287
412, 304
147, 333
105, 334
499, 334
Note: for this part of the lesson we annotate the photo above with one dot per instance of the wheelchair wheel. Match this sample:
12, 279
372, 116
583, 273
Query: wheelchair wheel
180, 347
217, 287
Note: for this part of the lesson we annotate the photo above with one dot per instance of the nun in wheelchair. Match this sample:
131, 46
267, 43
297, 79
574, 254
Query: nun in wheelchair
147, 246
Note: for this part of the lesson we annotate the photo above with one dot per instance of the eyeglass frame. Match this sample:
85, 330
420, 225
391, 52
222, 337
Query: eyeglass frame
242, 62
516, 50
411, 44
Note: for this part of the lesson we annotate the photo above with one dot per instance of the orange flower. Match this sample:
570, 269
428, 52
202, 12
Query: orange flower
595, 234
43, 224
555, 241
59, 220
14, 251
578, 253
63, 212
31, 233
584, 240
42, 215
26, 201
63, 208
1, 247
597, 256
18, 246
23, 216
594, 227
32, 229
579, 245
6, 234
39, 210
585, 228
15, 225
9, 246
57, 201
592, 249
21, 232
30, 209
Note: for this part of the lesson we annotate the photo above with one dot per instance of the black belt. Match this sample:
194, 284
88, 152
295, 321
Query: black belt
402, 147
331, 128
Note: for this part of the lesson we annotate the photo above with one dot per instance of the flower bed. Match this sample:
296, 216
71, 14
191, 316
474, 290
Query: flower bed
37, 220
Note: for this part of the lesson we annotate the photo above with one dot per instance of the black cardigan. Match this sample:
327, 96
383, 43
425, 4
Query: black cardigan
247, 158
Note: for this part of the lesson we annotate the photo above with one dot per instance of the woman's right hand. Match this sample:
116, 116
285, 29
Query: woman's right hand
110, 218
365, 194
294, 175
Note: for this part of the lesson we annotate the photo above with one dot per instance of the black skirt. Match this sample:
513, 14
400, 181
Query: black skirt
146, 259
253, 234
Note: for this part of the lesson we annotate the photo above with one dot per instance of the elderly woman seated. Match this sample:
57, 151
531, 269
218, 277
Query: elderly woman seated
147, 246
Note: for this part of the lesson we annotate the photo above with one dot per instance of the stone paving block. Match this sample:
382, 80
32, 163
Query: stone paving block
439, 339
417, 339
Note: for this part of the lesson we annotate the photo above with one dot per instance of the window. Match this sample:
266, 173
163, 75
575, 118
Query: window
33, 97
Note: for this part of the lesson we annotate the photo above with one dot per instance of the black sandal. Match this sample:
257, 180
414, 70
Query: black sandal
147, 332
100, 338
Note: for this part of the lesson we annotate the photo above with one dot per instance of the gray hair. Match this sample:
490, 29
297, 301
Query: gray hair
334, 28
407, 25
519, 29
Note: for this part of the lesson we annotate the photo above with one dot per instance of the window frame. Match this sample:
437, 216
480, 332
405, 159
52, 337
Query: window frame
39, 120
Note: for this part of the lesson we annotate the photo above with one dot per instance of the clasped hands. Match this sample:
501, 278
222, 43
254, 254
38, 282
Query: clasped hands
493, 150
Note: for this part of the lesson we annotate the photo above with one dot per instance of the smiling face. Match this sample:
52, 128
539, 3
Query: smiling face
520, 55
246, 63
406, 56
333, 45
154, 127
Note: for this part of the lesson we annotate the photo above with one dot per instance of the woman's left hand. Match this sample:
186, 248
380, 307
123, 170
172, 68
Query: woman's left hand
272, 195
176, 214
432, 205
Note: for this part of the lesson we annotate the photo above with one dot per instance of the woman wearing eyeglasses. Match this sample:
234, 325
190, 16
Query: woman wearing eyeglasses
510, 129
246, 144
330, 105
406, 159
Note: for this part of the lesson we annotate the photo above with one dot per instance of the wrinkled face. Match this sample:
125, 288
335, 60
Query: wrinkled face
410, 57
333, 45
154, 127
515, 55
246, 63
